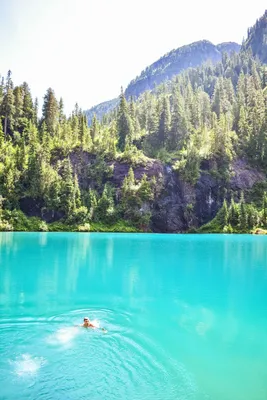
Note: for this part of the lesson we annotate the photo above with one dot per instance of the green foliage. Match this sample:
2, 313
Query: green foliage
43, 226
233, 213
61, 226
105, 210
132, 156
211, 114
124, 124
20, 222
119, 226
238, 218
243, 217
50, 111
174, 62
84, 228
78, 216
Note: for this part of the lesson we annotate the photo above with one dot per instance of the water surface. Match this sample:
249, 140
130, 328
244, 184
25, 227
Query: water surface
186, 316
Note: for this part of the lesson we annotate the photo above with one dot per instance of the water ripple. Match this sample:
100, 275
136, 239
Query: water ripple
120, 364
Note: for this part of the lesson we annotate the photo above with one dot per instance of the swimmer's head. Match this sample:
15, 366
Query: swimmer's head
86, 320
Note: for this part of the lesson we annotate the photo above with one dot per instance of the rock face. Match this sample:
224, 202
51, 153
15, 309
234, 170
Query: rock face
152, 168
178, 205
182, 206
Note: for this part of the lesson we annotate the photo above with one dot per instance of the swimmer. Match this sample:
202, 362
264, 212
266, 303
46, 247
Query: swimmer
89, 324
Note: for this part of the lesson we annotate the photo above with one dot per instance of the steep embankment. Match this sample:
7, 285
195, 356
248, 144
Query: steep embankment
178, 206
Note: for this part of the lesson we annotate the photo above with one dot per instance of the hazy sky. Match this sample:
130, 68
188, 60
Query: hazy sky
86, 50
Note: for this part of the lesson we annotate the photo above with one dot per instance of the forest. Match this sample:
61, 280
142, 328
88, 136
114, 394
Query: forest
57, 173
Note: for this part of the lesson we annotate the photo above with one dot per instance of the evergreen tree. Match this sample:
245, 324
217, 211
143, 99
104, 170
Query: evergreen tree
53, 196
28, 108
92, 203
164, 122
145, 192
264, 209
18, 106
77, 193
124, 124
243, 218
233, 214
179, 126
94, 128
35, 109
67, 188
2, 137
224, 214
7, 106
50, 111
105, 207
61, 116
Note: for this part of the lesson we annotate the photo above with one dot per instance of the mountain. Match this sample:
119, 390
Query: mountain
190, 155
257, 39
165, 68
101, 109
175, 61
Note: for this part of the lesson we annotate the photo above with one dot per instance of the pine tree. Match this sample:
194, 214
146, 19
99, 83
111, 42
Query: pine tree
28, 108
264, 209
34, 173
84, 131
18, 104
2, 136
252, 216
243, 218
7, 107
145, 192
77, 192
105, 207
50, 111
124, 124
92, 203
94, 128
179, 128
35, 108
53, 202
67, 188
164, 122
233, 214
61, 116
223, 214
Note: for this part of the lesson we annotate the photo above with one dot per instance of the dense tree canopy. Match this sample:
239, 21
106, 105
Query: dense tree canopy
211, 113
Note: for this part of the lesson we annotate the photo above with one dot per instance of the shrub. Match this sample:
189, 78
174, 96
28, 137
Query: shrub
5, 226
84, 228
78, 216
43, 227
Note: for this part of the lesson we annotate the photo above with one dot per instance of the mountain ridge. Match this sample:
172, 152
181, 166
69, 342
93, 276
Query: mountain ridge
257, 39
169, 65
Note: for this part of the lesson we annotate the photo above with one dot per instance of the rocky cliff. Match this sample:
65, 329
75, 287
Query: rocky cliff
178, 206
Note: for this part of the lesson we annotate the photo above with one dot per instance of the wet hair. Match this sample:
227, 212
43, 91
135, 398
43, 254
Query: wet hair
86, 319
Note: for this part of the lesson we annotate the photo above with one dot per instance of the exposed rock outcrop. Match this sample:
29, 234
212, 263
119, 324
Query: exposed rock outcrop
178, 205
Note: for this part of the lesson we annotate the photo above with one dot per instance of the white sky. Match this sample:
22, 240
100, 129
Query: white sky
85, 50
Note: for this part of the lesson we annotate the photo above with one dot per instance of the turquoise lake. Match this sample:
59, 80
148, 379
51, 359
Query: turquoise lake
186, 316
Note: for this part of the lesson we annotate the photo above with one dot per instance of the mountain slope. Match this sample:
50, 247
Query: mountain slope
257, 39
174, 62
165, 68
101, 109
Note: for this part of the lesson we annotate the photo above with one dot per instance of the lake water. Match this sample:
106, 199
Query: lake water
186, 316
